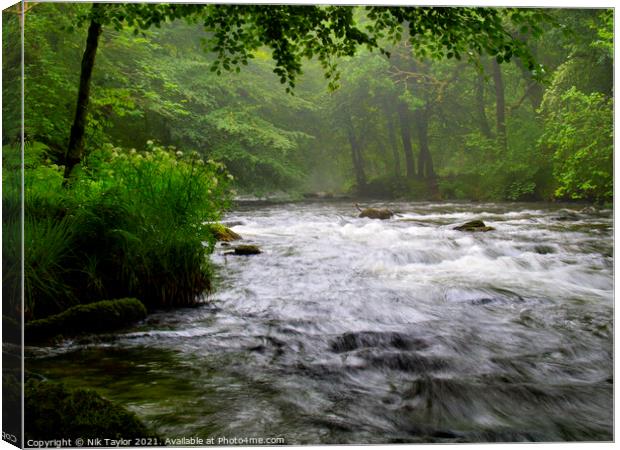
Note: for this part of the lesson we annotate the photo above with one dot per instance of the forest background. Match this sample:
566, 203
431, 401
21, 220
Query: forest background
398, 127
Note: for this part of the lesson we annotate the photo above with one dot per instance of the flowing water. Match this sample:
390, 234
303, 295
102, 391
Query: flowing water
349, 330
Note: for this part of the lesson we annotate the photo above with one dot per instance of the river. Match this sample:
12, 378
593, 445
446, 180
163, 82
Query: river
349, 330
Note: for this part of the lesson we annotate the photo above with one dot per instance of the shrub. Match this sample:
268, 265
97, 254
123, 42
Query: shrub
148, 210
95, 317
129, 224
579, 132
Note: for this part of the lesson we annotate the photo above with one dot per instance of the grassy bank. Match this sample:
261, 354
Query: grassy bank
127, 224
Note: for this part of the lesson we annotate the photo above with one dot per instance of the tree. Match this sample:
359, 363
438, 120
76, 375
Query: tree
405, 133
500, 105
296, 32
75, 149
480, 105
577, 109
140, 16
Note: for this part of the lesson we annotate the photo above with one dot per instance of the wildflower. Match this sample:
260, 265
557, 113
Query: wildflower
179, 153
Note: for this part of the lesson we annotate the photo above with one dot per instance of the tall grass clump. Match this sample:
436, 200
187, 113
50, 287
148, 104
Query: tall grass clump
127, 224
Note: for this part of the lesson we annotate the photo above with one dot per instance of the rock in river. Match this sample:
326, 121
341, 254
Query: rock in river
245, 250
374, 213
223, 233
474, 225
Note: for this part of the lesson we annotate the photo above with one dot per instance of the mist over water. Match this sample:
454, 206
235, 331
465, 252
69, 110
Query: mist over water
349, 330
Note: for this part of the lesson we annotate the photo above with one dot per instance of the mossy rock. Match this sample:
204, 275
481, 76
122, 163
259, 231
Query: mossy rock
473, 226
375, 213
245, 250
95, 317
223, 233
52, 411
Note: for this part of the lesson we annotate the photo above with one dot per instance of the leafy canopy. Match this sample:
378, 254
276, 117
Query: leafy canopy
295, 32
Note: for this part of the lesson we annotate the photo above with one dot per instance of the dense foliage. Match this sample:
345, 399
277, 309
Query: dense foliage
399, 126
131, 223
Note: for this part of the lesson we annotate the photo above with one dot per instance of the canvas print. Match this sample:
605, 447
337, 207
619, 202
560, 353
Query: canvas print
302, 224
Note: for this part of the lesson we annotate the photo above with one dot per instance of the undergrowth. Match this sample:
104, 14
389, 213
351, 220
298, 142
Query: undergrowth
127, 224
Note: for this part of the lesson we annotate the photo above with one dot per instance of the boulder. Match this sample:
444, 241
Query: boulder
223, 233
474, 225
95, 317
54, 411
374, 213
245, 250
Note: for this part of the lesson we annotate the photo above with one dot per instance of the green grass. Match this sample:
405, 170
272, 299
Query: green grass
128, 224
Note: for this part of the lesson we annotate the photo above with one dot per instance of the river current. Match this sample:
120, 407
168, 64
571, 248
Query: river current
351, 330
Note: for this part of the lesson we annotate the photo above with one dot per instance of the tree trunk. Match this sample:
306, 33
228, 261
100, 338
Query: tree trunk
357, 159
422, 153
403, 114
425, 164
500, 105
534, 89
75, 151
482, 116
393, 141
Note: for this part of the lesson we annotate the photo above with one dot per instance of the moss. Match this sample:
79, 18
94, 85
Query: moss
474, 225
91, 318
245, 250
223, 233
54, 412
